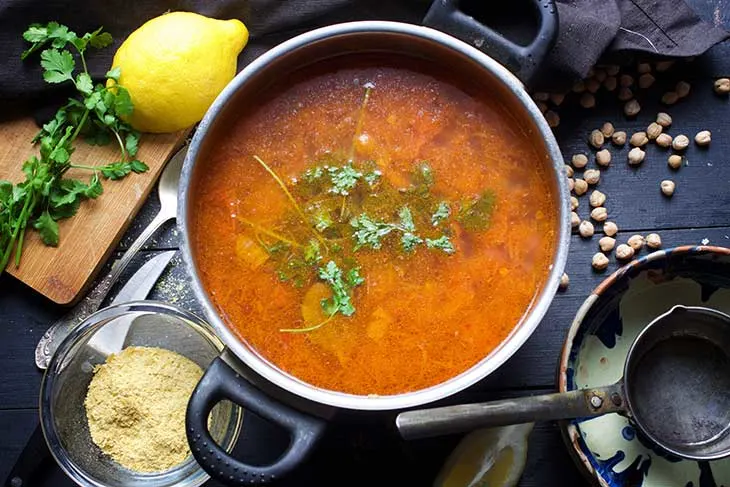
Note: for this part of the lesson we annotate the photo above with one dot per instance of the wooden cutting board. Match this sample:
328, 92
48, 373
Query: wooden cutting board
87, 239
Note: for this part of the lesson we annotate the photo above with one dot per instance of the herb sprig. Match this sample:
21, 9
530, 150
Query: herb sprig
96, 113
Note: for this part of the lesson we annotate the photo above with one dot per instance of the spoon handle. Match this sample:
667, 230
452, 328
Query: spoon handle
446, 420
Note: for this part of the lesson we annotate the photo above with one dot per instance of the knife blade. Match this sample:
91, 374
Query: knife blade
138, 287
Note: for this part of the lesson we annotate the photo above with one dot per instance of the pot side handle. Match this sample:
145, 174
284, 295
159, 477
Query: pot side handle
221, 382
523, 61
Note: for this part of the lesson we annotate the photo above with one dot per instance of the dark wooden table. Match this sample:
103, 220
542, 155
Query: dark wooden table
366, 450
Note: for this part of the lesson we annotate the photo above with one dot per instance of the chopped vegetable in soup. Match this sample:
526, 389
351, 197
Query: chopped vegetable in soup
374, 230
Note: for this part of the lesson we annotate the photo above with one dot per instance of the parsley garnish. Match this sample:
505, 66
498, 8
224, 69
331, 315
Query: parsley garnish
443, 211
343, 179
475, 214
441, 243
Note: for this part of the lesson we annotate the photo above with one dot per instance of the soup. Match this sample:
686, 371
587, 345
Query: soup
374, 228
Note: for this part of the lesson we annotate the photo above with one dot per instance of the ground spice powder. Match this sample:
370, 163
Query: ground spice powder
135, 407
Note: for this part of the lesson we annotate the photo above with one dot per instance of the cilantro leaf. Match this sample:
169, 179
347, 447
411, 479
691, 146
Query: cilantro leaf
138, 166
409, 241
475, 214
441, 243
123, 105
48, 229
131, 143
114, 73
368, 232
311, 252
58, 65
341, 300
98, 39
36, 33
443, 211
84, 83
406, 219
343, 179
373, 177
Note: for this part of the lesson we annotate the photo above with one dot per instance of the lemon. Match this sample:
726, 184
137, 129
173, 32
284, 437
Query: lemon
493, 457
175, 65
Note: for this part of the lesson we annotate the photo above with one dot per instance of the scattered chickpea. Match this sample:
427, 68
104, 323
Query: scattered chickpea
722, 86
703, 138
682, 89
667, 187
639, 139
646, 80
606, 244
564, 281
587, 100
610, 229
574, 219
553, 119
571, 184
579, 87
579, 160
540, 96
591, 70
670, 98
597, 199
624, 252
680, 142
664, 140
610, 83
599, 261
568, 170
626, 80
618, 138
675, 161
653, 131
662, 66
653, 241
600, 75
592, 85
574, 203
599, 214
592, 176
636, 156
603, 157
542, 106
632, 108
625, 94
585, 229
663, 119
557, 98
643, 68
596, 139
636, 242
581, 186
612, 69
607, 129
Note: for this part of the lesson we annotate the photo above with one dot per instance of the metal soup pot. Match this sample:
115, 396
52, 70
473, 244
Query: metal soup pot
241, 374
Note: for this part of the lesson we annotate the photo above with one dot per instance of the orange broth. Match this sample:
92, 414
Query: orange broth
421, 317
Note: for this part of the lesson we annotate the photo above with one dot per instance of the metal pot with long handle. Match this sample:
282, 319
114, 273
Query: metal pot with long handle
245, 377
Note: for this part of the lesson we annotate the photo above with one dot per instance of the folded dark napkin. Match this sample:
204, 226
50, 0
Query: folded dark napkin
588, 30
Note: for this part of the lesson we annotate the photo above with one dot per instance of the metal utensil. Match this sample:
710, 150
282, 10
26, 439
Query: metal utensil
675, 389
167, 193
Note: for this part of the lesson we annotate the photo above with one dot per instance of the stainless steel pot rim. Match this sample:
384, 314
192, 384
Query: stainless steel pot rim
492, 361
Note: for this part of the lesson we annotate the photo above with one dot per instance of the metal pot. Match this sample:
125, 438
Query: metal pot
245, 377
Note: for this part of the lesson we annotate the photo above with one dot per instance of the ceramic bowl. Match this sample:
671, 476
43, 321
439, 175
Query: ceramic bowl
607, 448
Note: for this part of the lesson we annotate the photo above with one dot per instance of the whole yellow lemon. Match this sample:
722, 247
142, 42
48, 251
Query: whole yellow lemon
175, 65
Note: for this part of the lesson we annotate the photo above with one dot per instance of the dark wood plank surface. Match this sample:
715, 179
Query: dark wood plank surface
366, 451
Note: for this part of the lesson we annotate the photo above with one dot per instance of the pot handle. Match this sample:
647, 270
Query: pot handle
523, 61
220, 382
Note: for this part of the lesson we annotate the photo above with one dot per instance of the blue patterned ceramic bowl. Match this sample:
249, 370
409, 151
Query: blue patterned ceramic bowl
607, 448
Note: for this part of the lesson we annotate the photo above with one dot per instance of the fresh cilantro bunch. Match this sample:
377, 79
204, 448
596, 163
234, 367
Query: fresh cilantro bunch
95, 113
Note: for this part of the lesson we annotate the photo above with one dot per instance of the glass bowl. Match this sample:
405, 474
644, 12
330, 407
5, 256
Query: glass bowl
65, 383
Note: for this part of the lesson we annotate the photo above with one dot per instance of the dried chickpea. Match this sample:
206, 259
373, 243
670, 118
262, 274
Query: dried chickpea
553, 119
581, 186
574, 219
682, 89
636, 156
610, 83
667, 186
557, 98
585, 229
599, 261
592, 85
636, 242
599, 214
664, 140
670, 98
607, 129
568, 170
587, 100
663, 119
625, 94
579, 160
653, 131
703, 138
675, 161
662, 66
596, 139
646, 80
610, 229
571, 184
722, 86
653, 241
624, 252
643, 68
600, 75
542, 107
540, 96
579, 87
639, 139
574, 203
606, 244
680, 142
597, 199
564, 281
592, 176
612, 69
619, 138
632, 108
626, 80
603, 157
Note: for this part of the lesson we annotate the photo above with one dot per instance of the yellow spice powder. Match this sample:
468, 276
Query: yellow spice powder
135, 407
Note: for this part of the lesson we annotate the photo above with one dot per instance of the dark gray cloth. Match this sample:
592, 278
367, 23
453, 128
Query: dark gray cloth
589, 29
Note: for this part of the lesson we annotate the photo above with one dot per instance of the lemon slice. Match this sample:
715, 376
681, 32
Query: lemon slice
493, 457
